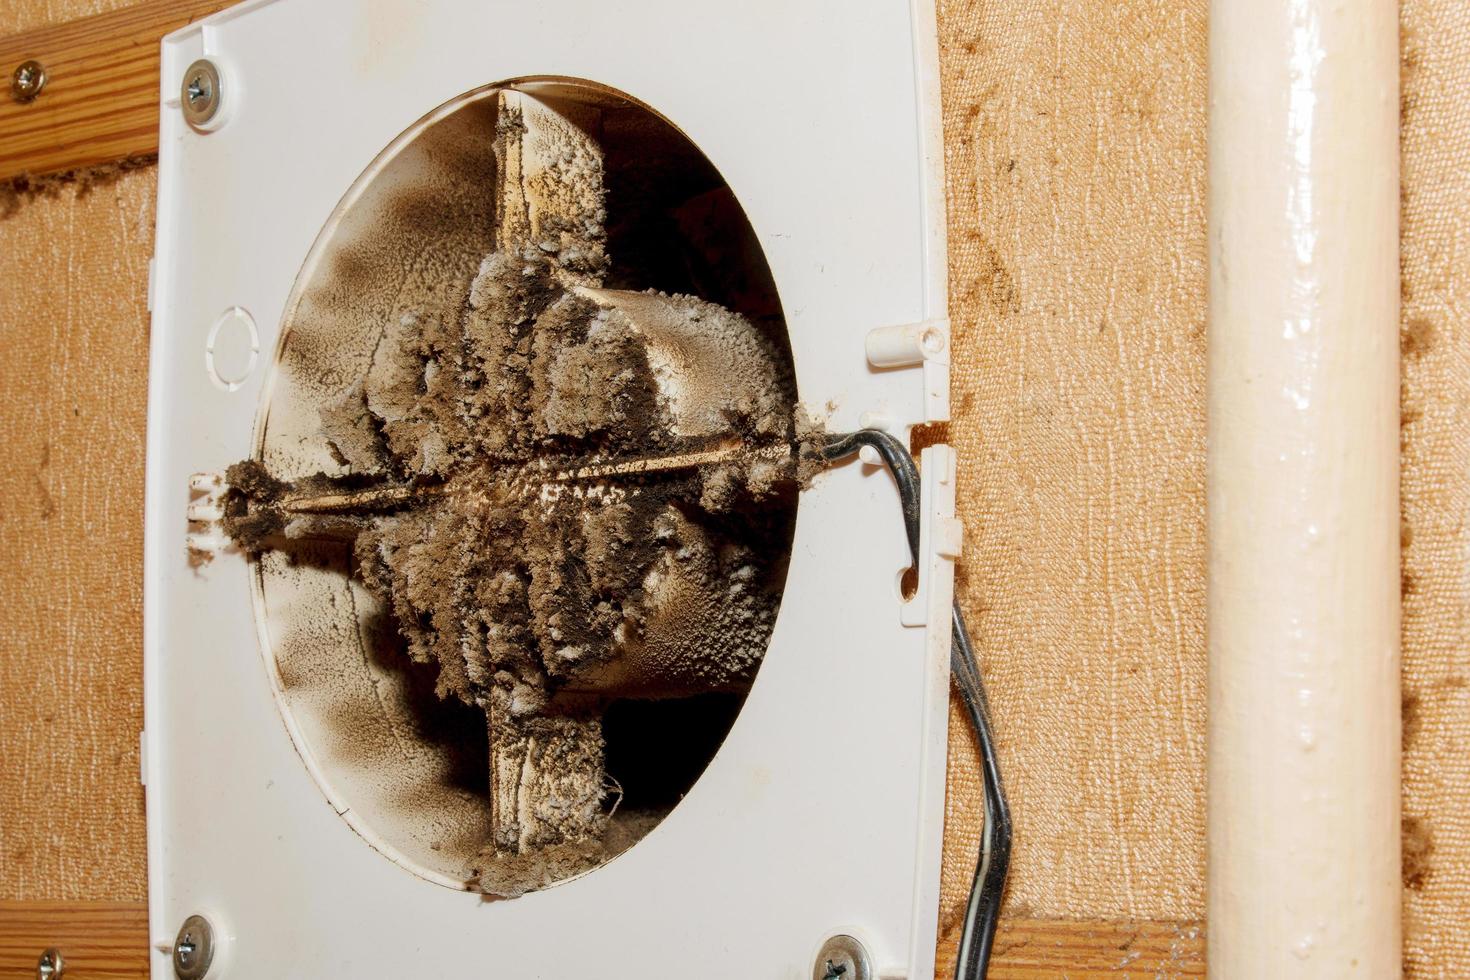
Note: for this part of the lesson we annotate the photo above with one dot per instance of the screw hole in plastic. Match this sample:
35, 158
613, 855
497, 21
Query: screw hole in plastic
908, 583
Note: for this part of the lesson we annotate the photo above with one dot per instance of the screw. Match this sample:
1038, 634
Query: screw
50, 966
193, 949
199, 94
843, 958
28, 80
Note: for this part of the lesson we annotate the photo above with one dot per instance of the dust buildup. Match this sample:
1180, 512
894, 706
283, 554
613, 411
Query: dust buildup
492, 510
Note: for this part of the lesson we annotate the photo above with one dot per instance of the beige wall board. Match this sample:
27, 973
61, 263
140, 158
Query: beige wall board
73, 328
1435, 484
1075, 160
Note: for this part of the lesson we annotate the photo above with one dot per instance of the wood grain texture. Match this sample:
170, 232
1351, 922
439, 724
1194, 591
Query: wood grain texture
100, 103
28, 15
1028, 949
74, 333
1075, 163
97, 940
109, 941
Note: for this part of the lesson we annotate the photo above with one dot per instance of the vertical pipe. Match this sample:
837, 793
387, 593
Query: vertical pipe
1303, 490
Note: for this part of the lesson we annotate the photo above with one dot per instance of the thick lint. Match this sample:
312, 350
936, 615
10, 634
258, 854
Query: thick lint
566, 495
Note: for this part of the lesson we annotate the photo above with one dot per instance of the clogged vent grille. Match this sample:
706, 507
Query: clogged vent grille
525, 486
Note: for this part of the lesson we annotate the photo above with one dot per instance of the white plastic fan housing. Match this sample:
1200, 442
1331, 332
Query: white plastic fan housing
822, 812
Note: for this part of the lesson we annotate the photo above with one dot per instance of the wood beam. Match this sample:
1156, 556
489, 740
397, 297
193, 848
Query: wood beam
1029, 949
97, 940
100, 102
109, 941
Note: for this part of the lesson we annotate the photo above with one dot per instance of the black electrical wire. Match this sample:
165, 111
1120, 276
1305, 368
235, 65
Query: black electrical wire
988, 888
982, 912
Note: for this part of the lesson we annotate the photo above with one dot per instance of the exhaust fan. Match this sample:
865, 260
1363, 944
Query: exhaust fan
507, 612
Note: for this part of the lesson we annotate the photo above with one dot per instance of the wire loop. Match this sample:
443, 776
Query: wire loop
982, 912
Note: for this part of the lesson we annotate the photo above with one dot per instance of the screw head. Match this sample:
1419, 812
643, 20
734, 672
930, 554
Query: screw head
50, 966
843, 958
193, 949
200, 92
27, 80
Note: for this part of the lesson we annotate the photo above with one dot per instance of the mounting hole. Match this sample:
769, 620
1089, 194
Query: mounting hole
908, 583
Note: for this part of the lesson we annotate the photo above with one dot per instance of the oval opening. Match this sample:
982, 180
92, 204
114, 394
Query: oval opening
542, 325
